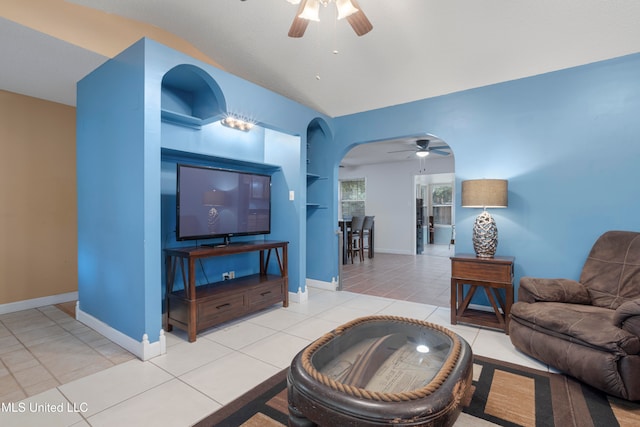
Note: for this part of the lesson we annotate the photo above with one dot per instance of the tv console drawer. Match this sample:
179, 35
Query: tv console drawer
266, 294
215, 309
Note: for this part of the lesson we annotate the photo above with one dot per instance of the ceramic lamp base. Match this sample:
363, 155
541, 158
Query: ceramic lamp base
485, 236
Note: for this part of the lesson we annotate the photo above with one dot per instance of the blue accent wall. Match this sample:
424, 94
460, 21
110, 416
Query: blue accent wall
567, 141
111, 195
126, 156
322, 248
288, 215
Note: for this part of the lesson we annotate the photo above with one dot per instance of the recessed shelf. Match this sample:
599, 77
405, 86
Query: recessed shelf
314, 177
190, 98
218, 161
186, 120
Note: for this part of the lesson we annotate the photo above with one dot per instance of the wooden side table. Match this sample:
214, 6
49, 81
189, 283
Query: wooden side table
492, 275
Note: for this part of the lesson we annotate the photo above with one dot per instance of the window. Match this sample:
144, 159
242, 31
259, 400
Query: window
352, 197
442, 201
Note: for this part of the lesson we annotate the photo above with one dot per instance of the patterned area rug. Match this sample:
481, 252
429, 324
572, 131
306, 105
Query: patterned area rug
502, 394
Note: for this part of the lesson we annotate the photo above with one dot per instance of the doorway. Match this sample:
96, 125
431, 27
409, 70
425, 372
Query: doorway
394, 173
390, 169
435, 214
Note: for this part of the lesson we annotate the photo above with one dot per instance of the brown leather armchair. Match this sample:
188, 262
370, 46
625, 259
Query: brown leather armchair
588, 329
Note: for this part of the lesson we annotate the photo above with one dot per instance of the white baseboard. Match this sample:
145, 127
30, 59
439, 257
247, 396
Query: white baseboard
37, 302
299, 296
394, 251
319, 284
144, 349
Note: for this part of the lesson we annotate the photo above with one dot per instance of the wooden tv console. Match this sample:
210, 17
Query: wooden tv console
195, 308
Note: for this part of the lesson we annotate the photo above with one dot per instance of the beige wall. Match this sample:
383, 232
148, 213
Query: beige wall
38, 220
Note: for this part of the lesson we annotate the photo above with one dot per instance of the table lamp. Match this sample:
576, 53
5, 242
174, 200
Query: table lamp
484, 193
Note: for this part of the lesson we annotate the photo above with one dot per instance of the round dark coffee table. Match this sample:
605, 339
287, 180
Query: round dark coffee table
380, 370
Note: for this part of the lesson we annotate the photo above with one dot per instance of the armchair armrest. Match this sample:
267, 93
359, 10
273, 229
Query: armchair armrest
627, 316
552, 290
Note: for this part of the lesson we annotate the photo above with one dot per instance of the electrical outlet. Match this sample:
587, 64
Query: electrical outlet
225, 276
232, 275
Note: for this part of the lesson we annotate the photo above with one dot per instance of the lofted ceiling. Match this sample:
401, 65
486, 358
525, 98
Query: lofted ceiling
417, 48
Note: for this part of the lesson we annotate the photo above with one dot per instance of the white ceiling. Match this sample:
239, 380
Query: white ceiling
417, 48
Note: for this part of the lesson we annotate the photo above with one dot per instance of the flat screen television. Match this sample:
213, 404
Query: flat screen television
221, 203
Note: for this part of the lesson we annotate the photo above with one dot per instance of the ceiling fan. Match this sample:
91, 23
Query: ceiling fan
423, 148
309, 10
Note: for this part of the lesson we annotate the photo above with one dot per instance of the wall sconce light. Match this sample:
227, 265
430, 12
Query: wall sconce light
485, 193
235, 123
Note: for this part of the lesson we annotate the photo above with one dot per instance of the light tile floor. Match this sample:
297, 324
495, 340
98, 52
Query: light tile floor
194, 379
45, 347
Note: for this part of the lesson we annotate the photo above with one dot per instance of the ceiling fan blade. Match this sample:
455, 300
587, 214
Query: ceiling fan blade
359, 21
299, 25
442, 153
399, 151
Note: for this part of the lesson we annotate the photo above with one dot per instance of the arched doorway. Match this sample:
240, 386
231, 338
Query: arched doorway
392, 173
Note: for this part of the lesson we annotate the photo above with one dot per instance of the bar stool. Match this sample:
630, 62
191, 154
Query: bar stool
355, 237
366, 232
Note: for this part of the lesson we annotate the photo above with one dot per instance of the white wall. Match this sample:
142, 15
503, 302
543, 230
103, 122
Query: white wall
390, 196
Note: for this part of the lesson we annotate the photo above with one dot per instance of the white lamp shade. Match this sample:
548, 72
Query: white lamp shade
311, 11
345, 8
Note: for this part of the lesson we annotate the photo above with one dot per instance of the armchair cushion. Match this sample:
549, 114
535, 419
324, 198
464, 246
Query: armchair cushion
554, 290
627, 316
578, 323
612, 269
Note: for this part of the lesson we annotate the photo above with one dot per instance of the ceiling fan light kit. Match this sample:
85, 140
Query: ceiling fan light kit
423, 148
309, 10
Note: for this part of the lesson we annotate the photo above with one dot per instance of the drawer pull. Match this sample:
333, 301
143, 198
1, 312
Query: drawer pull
265, 293
223, 305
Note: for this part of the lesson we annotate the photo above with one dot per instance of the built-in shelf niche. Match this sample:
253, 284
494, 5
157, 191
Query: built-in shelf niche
311, 179
190, 97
